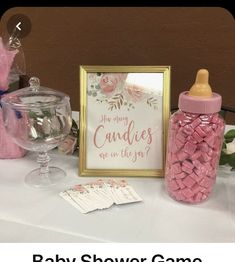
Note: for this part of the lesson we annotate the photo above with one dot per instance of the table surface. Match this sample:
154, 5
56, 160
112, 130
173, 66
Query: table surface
34, 215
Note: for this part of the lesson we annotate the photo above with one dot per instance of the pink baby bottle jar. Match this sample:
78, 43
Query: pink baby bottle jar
194, 143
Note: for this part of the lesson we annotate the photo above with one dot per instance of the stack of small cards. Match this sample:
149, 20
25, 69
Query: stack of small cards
100, 194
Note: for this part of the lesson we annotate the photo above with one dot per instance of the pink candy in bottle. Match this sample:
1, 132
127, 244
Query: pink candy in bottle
194, 143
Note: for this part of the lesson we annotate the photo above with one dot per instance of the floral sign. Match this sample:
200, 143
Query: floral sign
124, 113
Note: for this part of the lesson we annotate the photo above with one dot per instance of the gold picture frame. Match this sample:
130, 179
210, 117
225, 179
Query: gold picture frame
114, 97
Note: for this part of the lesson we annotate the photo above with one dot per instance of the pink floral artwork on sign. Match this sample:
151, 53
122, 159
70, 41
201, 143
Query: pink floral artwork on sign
118, 90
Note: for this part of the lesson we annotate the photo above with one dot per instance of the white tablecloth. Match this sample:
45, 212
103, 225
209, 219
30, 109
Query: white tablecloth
32, 215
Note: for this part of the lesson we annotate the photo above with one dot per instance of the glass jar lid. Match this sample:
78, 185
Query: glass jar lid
35, 96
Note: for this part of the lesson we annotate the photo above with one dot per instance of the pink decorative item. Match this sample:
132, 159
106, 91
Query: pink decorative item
194, 143
6, 60
8, 149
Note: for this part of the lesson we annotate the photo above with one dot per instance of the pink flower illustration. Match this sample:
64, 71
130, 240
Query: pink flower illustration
136, 93
108, 83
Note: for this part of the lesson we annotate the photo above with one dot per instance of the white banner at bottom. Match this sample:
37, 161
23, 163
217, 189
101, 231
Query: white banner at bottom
64, 252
